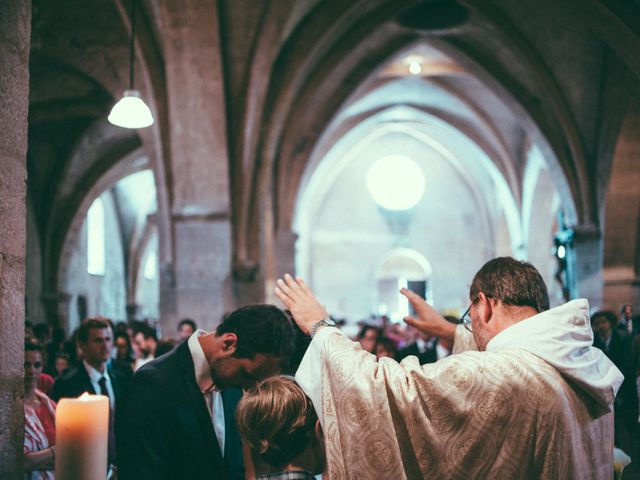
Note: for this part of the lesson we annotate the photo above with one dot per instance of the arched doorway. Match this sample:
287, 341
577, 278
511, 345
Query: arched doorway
401, 268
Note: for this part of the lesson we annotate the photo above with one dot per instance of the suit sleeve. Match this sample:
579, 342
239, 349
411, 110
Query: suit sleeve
143, 430
233, 443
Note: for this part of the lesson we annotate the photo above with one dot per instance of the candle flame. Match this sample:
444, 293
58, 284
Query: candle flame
85, 396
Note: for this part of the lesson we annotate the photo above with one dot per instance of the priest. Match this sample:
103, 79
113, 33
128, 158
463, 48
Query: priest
525, 395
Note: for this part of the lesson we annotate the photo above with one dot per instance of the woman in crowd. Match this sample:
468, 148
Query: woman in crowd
61, 364
385, 348
124, 350
39, 419
368, 337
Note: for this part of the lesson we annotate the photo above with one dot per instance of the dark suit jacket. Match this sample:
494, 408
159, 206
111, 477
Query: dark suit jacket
76, 381
163, 426
635, 327
430, 355
620, 353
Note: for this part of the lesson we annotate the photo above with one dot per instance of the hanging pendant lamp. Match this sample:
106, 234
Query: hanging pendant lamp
131, 111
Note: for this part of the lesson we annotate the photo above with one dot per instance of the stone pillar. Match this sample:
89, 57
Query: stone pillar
197, 284
56, 306
248, 284
285, 253
202, 266
587, 242
15, 34
283, 261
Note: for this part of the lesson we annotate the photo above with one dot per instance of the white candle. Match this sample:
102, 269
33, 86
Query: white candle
82, 435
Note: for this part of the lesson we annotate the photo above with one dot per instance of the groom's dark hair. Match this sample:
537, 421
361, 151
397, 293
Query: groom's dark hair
260, 329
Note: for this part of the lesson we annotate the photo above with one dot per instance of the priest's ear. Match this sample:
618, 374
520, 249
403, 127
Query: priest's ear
485, 308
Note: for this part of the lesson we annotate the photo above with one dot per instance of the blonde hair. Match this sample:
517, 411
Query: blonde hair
275, 419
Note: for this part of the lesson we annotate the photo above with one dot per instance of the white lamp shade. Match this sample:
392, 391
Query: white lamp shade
131, 111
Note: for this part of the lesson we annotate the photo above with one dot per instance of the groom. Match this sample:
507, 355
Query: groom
176, 418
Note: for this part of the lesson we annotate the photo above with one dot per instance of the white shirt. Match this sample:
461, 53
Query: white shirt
212, 395
628, 324
441, 352
140, 361
424, 345
95, 376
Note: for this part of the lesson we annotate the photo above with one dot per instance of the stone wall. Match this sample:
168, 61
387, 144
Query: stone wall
35, 311
15, 31
350, 234
105, 294
622, 211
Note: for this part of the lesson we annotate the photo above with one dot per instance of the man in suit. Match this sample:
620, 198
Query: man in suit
424, 348
628, 325
176, 419
615, 345
186, 328
95, 373
146, 339
429, 349
618, 348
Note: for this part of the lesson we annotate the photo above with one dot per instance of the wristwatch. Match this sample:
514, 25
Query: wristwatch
325, 322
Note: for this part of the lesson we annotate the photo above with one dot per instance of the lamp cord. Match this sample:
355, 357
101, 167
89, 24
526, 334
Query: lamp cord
131, 43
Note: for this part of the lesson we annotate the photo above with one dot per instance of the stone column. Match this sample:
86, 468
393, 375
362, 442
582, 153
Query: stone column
285, 253
202, 269
587, 242
15, 34
283, 261
56, 305
197, 283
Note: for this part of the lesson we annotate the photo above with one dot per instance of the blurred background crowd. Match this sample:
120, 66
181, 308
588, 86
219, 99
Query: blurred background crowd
100, 356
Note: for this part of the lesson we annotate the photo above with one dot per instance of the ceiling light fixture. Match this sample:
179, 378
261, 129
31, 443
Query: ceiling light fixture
414, 67
131, 111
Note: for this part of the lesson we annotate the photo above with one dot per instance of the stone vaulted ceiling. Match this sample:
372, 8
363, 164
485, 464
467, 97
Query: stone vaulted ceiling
270, 80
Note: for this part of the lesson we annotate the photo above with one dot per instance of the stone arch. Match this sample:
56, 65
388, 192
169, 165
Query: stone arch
318, 180
104, 291
91, 98
621, 239
129, 164
330, 240
291, 152
87, 167
144, 291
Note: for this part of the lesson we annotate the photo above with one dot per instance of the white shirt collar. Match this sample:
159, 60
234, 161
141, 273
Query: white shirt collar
200, 363
424, 345
94, 374
442, 352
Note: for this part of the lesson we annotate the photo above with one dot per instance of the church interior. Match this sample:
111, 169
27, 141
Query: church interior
363, 146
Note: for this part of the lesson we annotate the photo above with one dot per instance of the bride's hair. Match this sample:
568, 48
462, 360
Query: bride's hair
277, 420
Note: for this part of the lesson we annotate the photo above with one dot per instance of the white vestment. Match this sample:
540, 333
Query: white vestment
536, 404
